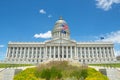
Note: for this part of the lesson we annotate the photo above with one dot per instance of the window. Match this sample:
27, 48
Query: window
56, 56
68, 56
64, 56
83, 56
79, 60
52, 56
32, 60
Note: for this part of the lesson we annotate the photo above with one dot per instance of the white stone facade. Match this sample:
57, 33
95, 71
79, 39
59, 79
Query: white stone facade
60, 47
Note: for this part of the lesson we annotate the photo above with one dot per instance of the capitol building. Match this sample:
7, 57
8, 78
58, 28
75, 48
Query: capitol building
60, 47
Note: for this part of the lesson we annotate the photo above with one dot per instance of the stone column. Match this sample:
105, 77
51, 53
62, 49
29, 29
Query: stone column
36, 54
113, 55
85, 54
28, 53
80, 52
104, 54
32, 55
96, 52
50, 53
40, 53
75, 51
24, 53
107, 52
54, 52
100, 54
89, 53
58, 52
13, 52
46, 57
58, 34
92, 55
71, 51
62, 52
19, 56
67, 52
16, 52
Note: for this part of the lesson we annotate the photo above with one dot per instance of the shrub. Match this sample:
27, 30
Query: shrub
51, 73
59, 70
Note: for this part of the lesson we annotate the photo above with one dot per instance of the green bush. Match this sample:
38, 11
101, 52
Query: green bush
51, 73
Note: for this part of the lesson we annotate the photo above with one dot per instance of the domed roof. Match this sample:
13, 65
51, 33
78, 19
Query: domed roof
60, 21
58, 24
58, 27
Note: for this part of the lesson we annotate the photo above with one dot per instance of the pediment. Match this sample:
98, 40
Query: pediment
66, 41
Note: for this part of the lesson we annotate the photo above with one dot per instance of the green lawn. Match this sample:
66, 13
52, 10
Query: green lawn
107, 65
4, 65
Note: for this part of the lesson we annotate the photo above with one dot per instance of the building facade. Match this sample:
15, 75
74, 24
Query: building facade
60, 48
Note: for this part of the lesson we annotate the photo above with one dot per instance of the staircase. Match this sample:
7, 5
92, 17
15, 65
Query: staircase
113, 74
8, 73
1, 73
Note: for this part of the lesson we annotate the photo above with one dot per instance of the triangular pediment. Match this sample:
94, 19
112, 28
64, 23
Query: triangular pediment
66, 41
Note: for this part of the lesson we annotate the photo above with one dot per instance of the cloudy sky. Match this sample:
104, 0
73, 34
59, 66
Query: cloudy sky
33, 20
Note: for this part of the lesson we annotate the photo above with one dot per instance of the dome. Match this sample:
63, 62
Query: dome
56, 32
60, 21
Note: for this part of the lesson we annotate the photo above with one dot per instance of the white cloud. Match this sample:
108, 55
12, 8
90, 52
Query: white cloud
43, 35
106, 4
50, 16
42, 11
1, 46
117, 52
113, 37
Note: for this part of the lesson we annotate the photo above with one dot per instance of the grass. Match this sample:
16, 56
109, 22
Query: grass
107, 65
4, 65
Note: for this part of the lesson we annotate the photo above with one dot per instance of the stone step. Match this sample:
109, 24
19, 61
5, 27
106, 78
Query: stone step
113, 74
1, 73
8, 74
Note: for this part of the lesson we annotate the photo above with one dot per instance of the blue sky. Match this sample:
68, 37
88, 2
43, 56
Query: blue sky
88, 20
